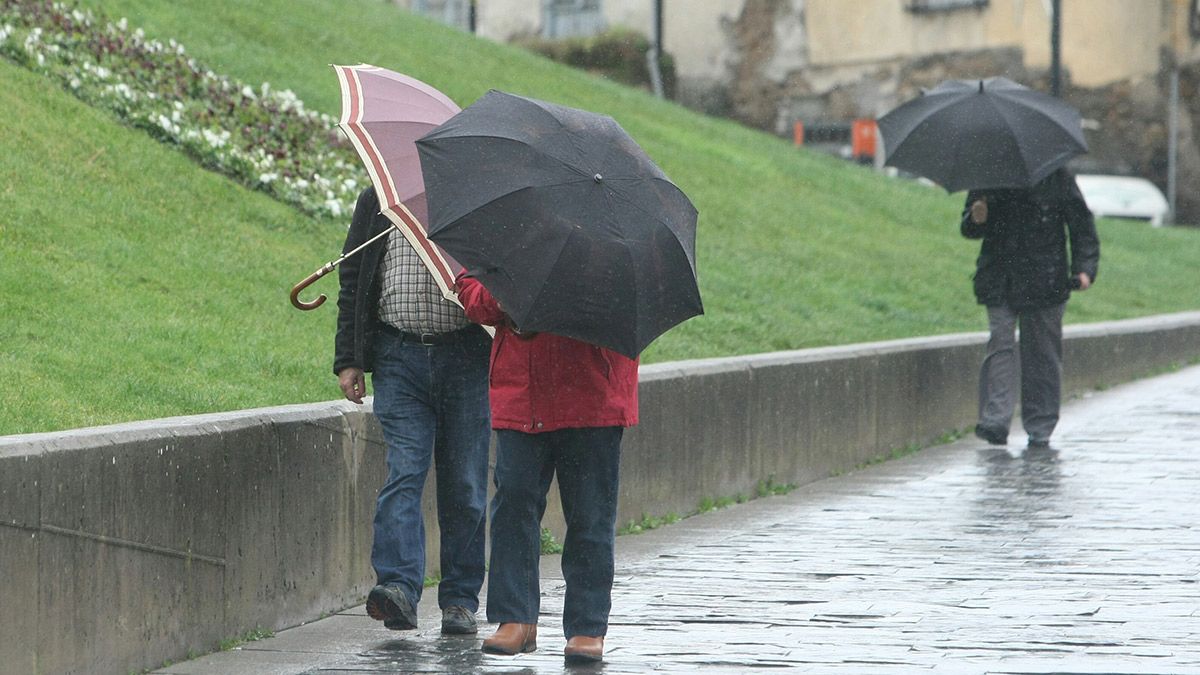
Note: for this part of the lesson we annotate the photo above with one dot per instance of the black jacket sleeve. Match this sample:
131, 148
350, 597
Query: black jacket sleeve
968, 227
344, 352
1081, 228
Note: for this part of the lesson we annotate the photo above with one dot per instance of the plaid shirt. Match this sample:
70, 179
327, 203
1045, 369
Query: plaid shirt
410, 299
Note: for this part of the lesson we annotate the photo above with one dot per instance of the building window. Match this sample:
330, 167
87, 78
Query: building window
455, 13
571, 18
923, 6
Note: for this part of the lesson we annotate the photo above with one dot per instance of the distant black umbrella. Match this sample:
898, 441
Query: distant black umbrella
980, 134
567, 222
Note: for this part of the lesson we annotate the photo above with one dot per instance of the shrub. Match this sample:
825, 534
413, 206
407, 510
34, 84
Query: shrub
618, 54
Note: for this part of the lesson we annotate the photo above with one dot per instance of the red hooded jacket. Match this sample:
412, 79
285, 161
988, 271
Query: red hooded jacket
545, 382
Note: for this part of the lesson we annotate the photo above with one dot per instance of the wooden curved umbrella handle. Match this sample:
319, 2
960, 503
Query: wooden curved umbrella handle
326, 269
308, 281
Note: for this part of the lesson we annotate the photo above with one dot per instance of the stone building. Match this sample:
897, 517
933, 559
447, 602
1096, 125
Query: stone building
772, 63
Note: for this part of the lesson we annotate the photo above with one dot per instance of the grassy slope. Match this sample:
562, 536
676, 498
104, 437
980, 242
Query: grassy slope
795, 249
136, 285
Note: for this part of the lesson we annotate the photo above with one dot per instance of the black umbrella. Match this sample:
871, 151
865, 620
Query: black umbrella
565, 220
980, 134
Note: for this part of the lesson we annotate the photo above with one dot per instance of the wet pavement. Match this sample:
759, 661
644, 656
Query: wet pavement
964, 558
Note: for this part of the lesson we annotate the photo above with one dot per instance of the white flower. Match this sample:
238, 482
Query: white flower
334, 207
216, 140
267, 178
248, 92
288, 100
75, 83
123, 24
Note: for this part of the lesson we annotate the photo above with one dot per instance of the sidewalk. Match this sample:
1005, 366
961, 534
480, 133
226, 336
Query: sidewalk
964, 558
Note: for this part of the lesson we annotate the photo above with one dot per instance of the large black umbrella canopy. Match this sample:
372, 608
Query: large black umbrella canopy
979, 134
564, 218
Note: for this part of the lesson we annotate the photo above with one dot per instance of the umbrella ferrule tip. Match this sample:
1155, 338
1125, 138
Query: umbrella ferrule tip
597, 178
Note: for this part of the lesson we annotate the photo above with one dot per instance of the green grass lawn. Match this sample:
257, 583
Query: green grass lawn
136, 285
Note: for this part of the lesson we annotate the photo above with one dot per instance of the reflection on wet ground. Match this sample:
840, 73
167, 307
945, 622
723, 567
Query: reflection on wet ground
1083, 558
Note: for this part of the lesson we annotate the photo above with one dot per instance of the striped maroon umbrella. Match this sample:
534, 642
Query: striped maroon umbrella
383, 112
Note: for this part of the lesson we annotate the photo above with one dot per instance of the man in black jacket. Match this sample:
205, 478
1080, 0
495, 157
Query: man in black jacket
429, 369
1023, 275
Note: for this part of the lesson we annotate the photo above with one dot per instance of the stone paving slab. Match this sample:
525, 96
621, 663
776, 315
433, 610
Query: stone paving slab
965, 558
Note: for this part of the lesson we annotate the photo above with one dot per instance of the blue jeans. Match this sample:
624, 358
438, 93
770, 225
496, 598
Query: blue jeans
432, 403
587, 463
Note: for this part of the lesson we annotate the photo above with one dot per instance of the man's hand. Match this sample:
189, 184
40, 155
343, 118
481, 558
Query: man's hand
979, 212
1085, 282
353, 384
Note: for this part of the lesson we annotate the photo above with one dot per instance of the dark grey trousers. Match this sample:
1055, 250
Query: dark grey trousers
1040, 367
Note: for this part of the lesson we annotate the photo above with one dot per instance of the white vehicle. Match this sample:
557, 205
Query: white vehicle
1124, 197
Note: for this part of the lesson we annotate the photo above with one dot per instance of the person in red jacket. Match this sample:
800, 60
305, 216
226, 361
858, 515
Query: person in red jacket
559, 406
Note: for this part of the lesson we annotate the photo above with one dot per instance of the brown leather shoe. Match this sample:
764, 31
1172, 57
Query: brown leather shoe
584, 649
512, 638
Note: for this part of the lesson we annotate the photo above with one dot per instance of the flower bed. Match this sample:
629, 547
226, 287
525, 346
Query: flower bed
263, 138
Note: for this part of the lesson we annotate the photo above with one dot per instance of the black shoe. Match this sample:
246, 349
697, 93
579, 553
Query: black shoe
458, 620
389, 605
1039, 443
991, 435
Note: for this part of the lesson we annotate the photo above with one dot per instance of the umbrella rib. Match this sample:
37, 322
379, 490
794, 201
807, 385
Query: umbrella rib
572, 136
574, 169
1013, 123
641, 208
637, 337
950, 98
542, 287
1021, 96
504, 195
683, 249
484, 205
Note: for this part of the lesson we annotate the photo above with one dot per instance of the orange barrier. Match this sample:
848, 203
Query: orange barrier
864, 134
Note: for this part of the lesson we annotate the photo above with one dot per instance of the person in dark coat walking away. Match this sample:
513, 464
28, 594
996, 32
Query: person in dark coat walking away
1023, 276
428, 367
559, 406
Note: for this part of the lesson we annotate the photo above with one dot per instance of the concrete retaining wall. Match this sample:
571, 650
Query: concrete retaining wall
125, 546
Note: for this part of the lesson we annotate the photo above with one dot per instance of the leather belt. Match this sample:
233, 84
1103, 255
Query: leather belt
431, 339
